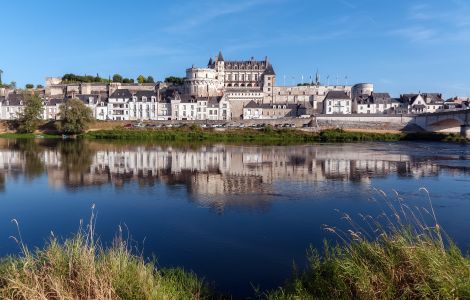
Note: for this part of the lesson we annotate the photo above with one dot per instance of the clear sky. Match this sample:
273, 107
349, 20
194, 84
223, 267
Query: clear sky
400, 45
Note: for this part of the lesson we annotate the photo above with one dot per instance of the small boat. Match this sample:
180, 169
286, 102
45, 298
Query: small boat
68, 137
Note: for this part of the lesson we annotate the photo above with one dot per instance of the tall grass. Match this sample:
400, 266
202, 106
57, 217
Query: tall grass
80, 268
396, 256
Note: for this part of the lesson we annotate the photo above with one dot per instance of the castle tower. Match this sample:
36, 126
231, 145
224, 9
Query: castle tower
220, 69
269, 79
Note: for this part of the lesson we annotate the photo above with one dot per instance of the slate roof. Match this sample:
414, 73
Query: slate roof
214, 101
14, 99
121, 93
220, 57
374, 98
147, 94
54, 101
269, 70
276, 106
337, 95
85, 98
252, 104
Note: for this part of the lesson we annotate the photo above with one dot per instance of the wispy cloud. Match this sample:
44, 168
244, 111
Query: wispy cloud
438, 23
199, 13
415, 33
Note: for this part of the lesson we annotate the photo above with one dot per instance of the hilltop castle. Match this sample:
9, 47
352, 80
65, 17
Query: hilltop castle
253, 80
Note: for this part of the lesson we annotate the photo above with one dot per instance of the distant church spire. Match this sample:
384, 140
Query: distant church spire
317, 78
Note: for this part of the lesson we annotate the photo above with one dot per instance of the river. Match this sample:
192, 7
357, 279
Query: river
236, 215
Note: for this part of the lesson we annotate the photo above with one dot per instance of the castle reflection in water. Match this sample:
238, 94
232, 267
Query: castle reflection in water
210, 171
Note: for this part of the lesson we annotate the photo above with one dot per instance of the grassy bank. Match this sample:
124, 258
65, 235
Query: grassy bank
399, 257
29, 136
397, 266
401, 254
266, 135
79, 268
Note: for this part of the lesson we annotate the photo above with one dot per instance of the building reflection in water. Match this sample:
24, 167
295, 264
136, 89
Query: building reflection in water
211, 173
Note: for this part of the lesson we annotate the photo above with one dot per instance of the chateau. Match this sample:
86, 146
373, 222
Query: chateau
223, 90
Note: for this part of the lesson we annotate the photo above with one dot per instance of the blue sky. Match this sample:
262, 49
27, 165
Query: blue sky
400, 45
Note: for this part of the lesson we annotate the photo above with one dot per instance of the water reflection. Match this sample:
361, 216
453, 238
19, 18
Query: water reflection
222, 175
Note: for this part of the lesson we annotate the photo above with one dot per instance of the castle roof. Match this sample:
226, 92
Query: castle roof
269, 70
220, 57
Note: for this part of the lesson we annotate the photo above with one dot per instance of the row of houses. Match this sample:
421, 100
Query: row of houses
337, 102
170, 104
124, 105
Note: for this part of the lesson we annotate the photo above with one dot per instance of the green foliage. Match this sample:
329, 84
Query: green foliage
72, 78
174, 80
141, 79
339, 135
39, 86
117, 78
29, 86
128, 80
74, 117
31, 115
149, 79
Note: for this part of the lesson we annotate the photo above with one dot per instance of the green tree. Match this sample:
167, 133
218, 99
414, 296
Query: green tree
30, 118
39, 86
174, 80
117, 78
128, 80
149, 79
74, 117
29, 86
141, 79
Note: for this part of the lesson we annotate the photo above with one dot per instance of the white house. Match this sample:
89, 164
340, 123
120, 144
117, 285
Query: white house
252, 111
11, 106
422, 102
118, 105
376, 103
337, 102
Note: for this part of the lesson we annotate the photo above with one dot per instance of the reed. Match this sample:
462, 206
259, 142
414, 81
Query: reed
81, 268
401, 254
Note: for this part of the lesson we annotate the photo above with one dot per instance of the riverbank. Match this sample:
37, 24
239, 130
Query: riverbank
267, 135
79, 268
403, 264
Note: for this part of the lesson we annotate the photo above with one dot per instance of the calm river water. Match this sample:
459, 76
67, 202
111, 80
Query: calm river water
235, 215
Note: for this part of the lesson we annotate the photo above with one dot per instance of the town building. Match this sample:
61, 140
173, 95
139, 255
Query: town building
375, 103
337, 102
265, 111
422, 103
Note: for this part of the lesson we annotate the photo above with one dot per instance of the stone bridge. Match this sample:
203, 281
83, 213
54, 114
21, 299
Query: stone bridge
449, 121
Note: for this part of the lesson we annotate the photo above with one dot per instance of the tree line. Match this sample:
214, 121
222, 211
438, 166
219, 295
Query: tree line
73, 78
